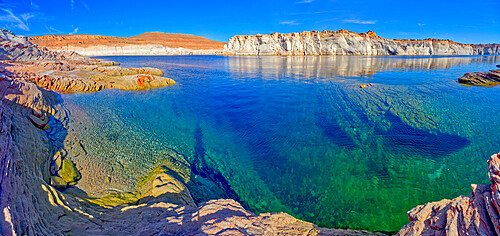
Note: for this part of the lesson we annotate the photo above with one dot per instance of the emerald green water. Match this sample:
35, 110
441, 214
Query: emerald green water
297, 134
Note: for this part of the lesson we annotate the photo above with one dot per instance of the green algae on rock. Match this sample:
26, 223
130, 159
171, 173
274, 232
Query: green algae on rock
159, 185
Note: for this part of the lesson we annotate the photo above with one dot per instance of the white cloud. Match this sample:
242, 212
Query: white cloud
34, 6
363, 22
304, 1
74, 31
13, 21
85, 5
292, 22
72, 3
420, 24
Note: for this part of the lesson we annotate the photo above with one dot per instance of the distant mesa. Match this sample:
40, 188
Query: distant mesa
151, 43
344, 42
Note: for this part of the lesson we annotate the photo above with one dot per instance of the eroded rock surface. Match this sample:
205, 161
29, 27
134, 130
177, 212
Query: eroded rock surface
70, 72
31, 158
488, 79
343, 42
474, 214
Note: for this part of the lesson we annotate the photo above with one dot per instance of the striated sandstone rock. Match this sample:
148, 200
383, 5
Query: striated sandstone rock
490, 78
70, 72
343, 42
119, 71
474, 214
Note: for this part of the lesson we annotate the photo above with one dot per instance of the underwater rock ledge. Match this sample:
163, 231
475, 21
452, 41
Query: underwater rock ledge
474, 214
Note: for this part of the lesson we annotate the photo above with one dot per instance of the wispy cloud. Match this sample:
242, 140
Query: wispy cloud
313, 12
420, 24
13, 21
34, 6
304, 1
53, 30
72, 3
292, 22
74, 31
408, 33
363, 22
85, 5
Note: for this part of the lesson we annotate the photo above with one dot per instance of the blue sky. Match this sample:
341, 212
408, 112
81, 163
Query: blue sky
462, 21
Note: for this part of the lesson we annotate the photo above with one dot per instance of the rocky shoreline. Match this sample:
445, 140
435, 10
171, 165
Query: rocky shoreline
474, 214
35, 167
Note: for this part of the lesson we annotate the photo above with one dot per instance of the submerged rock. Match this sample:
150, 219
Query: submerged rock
491, 78
474, 214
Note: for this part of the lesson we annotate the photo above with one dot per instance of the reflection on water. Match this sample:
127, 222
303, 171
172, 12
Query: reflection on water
297, 134
346, 66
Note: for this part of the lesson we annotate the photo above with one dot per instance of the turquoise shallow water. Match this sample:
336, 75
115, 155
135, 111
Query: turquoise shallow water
297, 134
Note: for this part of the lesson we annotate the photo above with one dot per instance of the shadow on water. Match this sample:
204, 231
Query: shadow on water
330, 126
199, 166
409, 140
332, 130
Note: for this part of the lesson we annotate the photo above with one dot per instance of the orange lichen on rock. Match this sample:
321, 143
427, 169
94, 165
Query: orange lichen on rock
148, 77
140, 82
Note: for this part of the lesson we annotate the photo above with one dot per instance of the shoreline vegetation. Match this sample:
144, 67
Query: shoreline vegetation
36, 168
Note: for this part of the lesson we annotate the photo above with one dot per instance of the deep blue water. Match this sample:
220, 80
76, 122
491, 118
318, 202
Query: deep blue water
298, 134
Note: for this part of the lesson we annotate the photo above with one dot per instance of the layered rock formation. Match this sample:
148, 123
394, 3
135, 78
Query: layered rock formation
488, 79
474, 214
31, 158
152, 43
70, 72
343, 42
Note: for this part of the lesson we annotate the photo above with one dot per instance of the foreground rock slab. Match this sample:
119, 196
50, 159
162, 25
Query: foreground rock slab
474, 214
488, 79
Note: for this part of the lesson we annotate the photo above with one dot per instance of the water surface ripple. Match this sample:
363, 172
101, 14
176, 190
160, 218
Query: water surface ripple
297, 134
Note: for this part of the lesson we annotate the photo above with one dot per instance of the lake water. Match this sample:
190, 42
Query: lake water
297, 134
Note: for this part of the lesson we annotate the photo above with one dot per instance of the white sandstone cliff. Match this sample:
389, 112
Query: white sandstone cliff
343, 42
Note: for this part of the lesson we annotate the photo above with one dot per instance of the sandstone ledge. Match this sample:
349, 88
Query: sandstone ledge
487, 79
